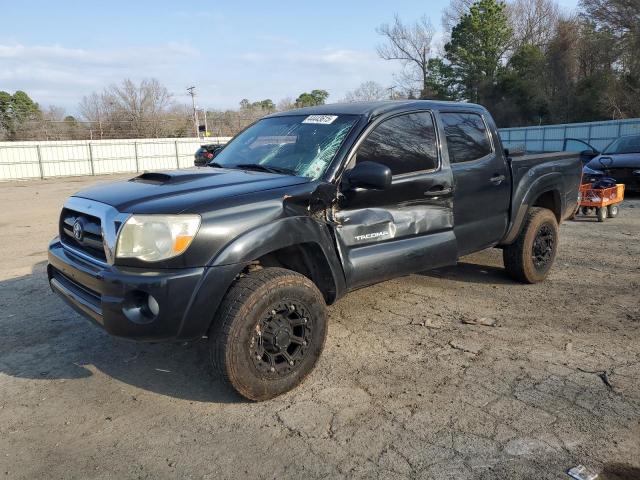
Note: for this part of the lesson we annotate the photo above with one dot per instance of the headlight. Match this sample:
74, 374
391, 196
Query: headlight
156, 237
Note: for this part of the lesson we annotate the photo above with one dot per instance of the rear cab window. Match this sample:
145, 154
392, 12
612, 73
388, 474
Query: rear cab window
405, 143
467, 136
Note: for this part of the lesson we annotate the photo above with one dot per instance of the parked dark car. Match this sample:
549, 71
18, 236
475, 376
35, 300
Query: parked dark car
619, 160
296, 211
206, 153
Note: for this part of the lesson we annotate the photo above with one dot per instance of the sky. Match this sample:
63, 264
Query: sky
60, 51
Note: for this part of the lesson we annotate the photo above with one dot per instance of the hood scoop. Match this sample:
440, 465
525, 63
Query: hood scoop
155, 178
173, 178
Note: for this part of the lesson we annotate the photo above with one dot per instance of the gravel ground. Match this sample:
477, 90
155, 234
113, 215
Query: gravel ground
405, 388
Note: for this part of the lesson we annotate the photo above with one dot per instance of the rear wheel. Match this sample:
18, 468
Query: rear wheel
531, 256
612, 211
601, 213
269, 332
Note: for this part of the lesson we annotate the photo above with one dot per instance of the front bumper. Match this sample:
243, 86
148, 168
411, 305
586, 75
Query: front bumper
116, 298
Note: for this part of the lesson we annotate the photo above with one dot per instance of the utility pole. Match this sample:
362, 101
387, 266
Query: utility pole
391, 92
192, 92
206, 126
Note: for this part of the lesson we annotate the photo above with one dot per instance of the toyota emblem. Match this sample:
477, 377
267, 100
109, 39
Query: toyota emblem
78, 231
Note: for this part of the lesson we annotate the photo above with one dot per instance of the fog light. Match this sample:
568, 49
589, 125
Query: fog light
140, 307
154, 308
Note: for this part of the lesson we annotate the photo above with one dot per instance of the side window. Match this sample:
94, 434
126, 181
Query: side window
467, 136
406, 143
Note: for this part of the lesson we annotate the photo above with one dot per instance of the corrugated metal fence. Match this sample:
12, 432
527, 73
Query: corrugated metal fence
43, 159
549, 138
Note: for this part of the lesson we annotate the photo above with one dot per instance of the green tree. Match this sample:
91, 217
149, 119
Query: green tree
478, 44
23, 107
266, 105
316, 97
15, 111
5, 113
520, 97
440, 82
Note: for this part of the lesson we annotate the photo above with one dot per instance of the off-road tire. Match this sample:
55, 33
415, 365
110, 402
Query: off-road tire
236, 334
601, 213
519, 256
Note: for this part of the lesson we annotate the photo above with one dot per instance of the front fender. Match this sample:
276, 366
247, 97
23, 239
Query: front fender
282, 233
523, 198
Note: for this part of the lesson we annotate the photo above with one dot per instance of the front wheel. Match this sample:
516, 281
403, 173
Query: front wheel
531, 256
268, 333
612, 211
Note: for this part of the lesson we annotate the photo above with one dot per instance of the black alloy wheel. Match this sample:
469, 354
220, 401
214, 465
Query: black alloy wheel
281, 339
543, 247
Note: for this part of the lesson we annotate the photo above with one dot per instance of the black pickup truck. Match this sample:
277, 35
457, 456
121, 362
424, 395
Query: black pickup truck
296, 211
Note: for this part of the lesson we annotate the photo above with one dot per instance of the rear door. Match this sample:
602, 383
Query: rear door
482, 181
409, 226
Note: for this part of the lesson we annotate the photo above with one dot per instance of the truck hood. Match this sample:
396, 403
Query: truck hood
177, 190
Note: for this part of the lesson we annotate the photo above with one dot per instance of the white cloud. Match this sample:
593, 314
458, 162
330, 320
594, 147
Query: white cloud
288, 72
58, 75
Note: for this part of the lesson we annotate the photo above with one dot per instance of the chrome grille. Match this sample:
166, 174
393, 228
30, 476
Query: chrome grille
91, 241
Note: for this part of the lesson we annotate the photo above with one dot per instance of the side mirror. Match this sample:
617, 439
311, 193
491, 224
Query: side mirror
200, 161
606, 162
206, 153
587, 155
369, 175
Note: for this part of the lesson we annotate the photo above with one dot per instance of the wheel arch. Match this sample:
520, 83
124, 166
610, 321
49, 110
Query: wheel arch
300, 244
550, 200
545, 192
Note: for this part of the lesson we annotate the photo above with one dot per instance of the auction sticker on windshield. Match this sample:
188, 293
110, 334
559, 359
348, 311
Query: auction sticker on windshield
320, 119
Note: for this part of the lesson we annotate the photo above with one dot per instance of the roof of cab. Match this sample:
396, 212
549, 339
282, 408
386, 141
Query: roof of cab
374, 109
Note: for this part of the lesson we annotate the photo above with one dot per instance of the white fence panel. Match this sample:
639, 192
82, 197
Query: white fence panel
43, 159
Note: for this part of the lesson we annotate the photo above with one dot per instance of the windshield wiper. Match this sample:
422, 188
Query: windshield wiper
215, 165
264, 168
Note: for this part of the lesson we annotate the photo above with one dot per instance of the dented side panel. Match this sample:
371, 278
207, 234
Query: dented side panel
404, 229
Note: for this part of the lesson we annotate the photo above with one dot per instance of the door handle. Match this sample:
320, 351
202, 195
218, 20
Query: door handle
497, 179
438, 191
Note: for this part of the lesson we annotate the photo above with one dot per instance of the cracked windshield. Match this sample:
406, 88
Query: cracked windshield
302, 145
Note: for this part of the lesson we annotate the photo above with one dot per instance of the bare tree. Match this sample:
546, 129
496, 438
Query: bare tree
286, 104
143, 105
129, 109
622, 18
533, 22
367, 92
409, 43
452, 14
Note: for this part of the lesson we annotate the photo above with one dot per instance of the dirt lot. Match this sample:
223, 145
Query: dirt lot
405, 389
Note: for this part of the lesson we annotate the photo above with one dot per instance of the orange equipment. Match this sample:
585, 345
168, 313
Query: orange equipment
604, 200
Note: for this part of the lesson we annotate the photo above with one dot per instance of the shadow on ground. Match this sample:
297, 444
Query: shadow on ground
471, 273
619, 471
42, 338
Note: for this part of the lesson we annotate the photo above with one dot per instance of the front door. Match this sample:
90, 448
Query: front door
407, 227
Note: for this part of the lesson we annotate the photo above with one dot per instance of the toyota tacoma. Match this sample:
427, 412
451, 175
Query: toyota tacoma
297, 210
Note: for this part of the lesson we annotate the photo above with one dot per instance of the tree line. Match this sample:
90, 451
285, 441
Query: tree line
526, 60
132, 110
